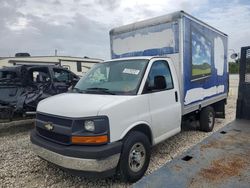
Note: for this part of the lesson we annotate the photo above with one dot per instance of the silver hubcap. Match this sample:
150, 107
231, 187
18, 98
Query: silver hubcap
210, 119
137, 156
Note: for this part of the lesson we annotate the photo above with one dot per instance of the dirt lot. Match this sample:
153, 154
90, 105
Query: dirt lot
19, 167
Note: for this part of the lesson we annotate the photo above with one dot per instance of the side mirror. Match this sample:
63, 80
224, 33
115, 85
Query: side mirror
234, 56
75, 80
160, 82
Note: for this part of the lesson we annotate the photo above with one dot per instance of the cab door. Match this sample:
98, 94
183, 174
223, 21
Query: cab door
163, 99
62, 80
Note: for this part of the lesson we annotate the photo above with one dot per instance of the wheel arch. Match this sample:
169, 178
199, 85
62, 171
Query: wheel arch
140, 127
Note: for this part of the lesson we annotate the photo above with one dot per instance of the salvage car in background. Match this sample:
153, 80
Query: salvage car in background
22, 87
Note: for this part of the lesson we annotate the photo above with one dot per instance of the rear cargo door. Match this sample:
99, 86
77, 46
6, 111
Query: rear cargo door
165, 107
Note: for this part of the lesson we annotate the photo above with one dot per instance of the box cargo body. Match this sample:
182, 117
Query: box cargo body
199, 53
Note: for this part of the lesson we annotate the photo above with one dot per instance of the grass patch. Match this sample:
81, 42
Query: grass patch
196, 72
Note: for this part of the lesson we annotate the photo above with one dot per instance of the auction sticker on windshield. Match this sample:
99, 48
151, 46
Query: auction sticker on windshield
131, 71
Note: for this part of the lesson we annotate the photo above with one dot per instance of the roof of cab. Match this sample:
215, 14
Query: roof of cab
136, 58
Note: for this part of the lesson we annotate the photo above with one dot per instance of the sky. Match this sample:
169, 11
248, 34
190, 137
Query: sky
201, 49
81, 27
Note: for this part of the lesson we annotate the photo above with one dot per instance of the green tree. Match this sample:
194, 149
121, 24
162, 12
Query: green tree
233, 68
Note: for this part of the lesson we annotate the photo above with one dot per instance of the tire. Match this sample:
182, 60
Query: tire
136, 147
207, 119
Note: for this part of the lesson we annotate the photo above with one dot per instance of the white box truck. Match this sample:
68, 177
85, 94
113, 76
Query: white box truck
162, 71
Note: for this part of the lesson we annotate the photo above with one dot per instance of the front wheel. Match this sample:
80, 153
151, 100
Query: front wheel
135, 156
207, 119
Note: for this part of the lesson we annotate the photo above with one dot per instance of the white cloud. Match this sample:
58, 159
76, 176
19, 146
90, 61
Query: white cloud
233, 20
79, 28
21, 23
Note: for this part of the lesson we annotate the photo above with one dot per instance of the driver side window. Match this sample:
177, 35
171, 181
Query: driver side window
61, 75
160, 68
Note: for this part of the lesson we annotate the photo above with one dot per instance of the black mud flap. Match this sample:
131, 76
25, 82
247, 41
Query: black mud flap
219, 109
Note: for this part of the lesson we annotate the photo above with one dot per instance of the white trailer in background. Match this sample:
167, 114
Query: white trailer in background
78, 65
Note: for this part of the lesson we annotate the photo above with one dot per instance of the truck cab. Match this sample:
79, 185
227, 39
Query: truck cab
110, 120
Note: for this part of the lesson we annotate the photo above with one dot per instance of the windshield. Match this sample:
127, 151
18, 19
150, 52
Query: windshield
116, 77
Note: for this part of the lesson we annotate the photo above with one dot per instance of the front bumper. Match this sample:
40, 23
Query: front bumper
78, 158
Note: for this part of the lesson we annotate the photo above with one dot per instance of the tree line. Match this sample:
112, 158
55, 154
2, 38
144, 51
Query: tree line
234, 68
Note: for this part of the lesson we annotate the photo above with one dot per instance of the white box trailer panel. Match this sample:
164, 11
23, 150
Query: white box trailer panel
198, 51
147, 41
205, 65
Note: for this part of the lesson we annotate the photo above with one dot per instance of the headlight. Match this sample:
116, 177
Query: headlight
89, 126
92, 130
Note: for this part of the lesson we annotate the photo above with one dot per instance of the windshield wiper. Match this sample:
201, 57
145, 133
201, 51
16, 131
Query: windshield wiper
78, 90
103, 90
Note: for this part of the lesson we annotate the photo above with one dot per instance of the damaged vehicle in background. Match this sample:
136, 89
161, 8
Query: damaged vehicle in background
22, 87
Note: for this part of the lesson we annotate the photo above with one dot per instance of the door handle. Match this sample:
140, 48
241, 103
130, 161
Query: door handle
176, 96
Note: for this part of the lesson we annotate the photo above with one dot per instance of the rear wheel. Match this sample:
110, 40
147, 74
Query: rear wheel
135, 156
207, 119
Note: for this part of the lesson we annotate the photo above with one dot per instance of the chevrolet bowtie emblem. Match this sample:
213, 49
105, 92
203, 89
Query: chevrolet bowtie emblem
49, 126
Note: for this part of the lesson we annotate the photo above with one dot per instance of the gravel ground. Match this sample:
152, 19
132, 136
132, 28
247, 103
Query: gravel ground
19, 167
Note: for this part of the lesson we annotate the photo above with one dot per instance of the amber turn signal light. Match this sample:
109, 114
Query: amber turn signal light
89, 139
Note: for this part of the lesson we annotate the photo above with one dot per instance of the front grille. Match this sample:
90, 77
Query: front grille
60, 138
55, 120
